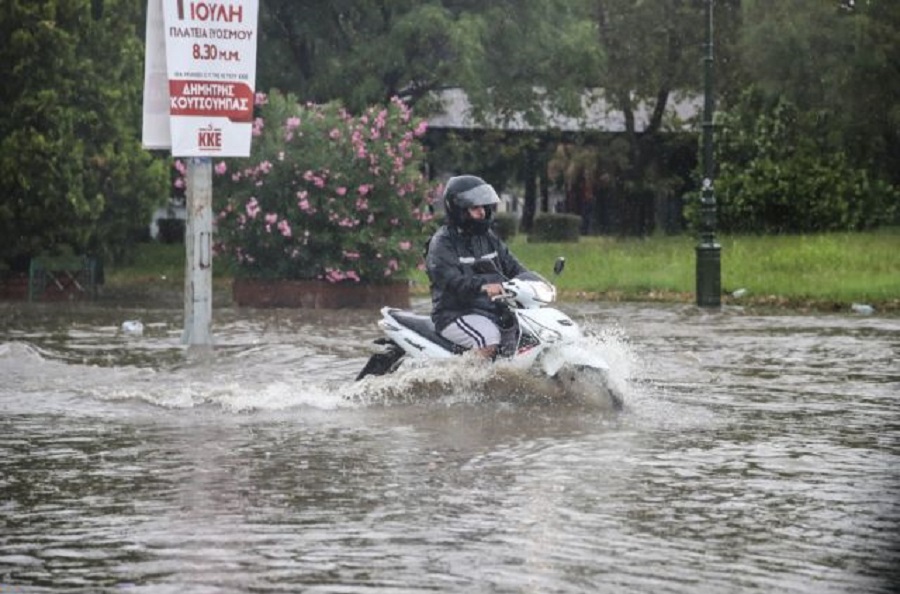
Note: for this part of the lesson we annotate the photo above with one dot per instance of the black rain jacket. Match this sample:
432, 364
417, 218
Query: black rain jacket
456, 281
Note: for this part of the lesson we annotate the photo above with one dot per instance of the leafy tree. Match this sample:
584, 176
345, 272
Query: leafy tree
777, 175
367, 51
811, 145
875, 83
838, 62
512, 57
655, 52
361, 51
72, 173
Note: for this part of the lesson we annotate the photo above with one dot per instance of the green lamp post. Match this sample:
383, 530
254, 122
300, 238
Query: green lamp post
709, 263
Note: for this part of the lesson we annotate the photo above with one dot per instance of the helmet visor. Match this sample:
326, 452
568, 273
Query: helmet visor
483, 195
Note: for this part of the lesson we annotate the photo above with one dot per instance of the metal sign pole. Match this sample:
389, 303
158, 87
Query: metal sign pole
198, 247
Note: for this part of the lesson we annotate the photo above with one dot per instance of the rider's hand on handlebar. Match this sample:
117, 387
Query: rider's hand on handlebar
493, 289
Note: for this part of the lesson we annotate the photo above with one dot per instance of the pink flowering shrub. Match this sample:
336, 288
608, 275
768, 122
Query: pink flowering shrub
325, 195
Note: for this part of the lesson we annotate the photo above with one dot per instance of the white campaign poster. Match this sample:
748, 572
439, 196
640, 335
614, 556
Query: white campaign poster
156, 134
210, 49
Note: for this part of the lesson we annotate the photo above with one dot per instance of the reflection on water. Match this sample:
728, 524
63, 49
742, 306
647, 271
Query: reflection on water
757, 453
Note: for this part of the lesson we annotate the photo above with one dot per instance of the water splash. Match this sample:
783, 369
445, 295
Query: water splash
467, 380
245, 377
232, 381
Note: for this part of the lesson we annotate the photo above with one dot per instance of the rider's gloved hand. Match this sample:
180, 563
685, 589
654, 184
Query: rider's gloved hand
492, 289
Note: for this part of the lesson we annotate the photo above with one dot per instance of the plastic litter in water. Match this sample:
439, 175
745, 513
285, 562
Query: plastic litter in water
133, 328
739, 293
862, 308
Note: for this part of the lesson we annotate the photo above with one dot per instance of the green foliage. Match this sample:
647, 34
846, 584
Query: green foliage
778, 175
365, 52
326, 195
72, 172
836, 61
506, 225
552, 227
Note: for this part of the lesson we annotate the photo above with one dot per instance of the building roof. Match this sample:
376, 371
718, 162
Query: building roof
599, 115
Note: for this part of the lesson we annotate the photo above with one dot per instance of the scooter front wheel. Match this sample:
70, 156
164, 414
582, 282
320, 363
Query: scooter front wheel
590, 387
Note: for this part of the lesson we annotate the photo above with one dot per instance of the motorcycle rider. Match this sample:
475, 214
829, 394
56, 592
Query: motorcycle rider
466, 262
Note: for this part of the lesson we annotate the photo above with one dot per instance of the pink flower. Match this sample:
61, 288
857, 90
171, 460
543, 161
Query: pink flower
252, 208
375, 187
332, 275
271, 218
180, 167
260, 98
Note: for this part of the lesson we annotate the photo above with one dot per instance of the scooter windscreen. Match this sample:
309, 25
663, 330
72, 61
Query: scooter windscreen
541, 289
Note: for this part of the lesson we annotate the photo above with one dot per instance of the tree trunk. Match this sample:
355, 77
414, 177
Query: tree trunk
531, 173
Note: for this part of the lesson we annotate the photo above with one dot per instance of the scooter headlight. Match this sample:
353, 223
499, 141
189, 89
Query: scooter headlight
547, 335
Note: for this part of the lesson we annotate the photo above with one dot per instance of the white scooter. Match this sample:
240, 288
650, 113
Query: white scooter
547, 342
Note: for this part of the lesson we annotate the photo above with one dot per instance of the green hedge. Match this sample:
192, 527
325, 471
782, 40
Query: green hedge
506, 225
555, 228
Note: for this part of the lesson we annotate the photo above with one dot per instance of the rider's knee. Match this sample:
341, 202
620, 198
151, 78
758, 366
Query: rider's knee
489, 352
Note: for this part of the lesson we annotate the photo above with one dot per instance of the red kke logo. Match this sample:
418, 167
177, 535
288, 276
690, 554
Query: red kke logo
209, 138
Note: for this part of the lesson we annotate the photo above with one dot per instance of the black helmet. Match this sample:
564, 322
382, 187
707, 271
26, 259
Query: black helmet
462, 193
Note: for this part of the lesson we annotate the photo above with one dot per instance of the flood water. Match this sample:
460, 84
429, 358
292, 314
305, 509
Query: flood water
757, 453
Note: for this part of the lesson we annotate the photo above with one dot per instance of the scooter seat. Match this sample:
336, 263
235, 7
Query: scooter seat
423, 326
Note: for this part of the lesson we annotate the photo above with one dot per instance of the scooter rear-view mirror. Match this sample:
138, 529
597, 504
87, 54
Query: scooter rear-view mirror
559, 265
